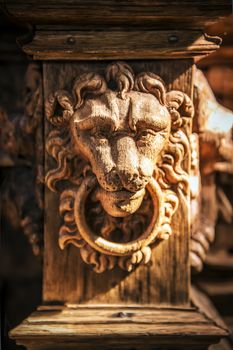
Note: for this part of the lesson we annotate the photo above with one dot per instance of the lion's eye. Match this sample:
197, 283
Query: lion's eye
144, 134
98, 133
145, 137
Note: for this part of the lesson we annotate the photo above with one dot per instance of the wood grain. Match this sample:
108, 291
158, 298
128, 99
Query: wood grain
66, 278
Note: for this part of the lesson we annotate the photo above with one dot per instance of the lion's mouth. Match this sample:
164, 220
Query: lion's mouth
126, 196
120, 203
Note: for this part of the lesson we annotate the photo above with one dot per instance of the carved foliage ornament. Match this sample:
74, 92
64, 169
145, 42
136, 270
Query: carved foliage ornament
119, 146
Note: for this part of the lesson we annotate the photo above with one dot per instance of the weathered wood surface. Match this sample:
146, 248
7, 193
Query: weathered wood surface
66, 277
183, 13
119, 44
114, 327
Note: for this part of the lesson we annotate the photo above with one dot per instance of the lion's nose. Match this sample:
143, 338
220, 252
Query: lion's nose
131, 180
113, 182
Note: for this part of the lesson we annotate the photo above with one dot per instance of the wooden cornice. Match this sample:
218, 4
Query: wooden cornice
132, 29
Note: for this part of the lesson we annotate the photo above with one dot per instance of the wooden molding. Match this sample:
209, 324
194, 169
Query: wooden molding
118, 44
86, 30
114, 327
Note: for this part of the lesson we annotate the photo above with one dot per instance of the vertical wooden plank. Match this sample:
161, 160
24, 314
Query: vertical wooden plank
165, 280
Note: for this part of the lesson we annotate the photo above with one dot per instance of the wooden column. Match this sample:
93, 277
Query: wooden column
117, 272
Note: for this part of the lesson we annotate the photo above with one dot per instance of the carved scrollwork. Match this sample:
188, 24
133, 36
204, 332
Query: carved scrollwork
214, 126
119, 146
21, 147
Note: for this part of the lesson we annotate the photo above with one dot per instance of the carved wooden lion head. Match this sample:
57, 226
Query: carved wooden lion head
120, 141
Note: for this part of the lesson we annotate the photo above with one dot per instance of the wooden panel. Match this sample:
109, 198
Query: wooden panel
166, 279
119, 44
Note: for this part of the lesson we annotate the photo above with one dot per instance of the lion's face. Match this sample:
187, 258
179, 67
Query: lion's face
123, 139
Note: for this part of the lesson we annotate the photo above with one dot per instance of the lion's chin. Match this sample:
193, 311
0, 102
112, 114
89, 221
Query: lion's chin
120, 203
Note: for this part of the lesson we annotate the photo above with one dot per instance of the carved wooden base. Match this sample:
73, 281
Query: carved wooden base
117, 327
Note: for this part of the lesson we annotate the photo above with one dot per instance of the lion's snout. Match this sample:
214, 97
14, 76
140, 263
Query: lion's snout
126, 173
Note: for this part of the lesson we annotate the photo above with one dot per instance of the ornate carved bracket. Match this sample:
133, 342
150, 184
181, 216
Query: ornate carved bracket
213, 125
119, 143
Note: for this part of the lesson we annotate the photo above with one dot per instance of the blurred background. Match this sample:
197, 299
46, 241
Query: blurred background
21, 269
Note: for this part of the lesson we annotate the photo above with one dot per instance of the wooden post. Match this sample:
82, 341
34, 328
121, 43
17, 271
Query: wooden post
118, 121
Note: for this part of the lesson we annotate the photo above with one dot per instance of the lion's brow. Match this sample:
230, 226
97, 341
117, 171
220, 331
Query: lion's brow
96, 120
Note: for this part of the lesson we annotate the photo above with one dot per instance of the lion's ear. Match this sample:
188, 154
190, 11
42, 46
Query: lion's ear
57, 101
88, 83
179, 106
